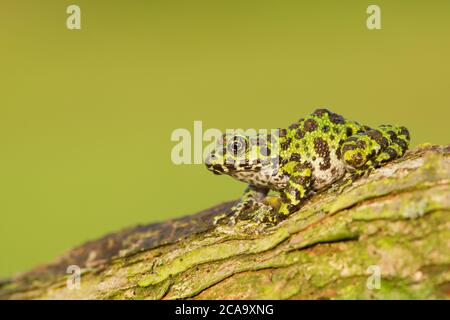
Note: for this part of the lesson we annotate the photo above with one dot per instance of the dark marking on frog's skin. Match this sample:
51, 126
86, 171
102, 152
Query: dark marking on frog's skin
336, 118
285, 145
322, 149
295, 157
392, 154
349, 147
299, 134
361, 144
402, 143
378, 137
321, 112
310, 125
404, 132
313, 153
348, 131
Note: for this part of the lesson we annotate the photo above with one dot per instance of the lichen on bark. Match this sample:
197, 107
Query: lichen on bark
395, 221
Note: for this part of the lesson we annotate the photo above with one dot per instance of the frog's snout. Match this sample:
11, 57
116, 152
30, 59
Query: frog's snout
214, 167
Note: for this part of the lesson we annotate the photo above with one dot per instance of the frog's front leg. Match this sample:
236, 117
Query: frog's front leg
296, 192
251, 199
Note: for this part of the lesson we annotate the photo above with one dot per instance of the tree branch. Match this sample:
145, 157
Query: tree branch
395, 222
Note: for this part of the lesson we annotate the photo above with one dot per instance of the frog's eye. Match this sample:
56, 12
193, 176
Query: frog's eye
236, 145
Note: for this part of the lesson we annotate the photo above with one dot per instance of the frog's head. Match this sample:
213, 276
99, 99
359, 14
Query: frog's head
242, 156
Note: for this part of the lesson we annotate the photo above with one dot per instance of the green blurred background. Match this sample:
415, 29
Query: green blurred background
86, 116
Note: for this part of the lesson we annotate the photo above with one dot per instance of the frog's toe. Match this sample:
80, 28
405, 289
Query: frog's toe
235, 213
260, 214
249, 211
220, 218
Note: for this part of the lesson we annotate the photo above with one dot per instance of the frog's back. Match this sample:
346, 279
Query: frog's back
314, 142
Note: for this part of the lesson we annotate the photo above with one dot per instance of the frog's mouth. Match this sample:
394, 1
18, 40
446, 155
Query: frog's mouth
216, 168
230, 169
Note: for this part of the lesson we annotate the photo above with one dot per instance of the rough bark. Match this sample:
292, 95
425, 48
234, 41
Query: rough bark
396, 219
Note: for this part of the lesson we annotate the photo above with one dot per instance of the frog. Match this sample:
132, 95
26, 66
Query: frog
296, 162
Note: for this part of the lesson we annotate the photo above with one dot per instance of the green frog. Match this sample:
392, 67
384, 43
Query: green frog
308, 156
